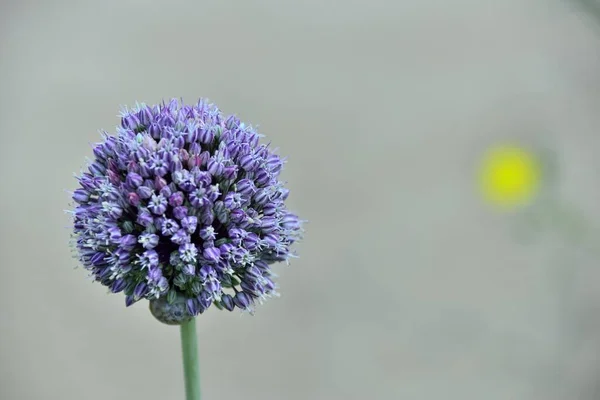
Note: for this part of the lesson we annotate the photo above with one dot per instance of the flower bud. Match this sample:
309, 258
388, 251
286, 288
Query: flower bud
98, 259
144, 192
128, 242
206, 135
230, 172
193, 307
189, 269
140, 290
245, 187
180, 212
227, 302
154, 130
248, 162
261, 177
118, 285
189, 223
241, 300
160, 183
180, 237
211, 254
145, 218
81, 196
176, 199
133, 199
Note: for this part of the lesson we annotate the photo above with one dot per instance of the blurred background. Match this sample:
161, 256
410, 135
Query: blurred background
409, 286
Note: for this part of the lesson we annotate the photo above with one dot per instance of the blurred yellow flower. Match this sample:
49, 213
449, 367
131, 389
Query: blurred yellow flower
509, 176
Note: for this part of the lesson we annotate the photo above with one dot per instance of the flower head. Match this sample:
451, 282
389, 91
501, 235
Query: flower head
183, 207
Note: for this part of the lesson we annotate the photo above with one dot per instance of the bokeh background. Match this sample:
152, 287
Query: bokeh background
408, 286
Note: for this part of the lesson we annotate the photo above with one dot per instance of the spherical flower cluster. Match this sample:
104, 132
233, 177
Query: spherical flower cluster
183, 206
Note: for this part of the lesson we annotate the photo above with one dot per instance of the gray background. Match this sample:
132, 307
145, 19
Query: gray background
408, 287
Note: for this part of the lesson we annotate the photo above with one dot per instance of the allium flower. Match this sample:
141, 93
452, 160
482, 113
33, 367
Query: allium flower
183, 207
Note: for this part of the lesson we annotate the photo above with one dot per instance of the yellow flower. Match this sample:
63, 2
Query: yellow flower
509, 176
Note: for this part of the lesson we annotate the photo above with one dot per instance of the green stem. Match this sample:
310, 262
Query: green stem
191, 370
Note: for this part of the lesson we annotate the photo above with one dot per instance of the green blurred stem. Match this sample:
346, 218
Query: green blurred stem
191, 369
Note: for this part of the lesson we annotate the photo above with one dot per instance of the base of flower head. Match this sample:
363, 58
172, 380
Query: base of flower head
170, 313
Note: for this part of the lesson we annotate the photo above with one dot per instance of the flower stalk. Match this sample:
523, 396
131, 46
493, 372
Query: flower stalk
191, 368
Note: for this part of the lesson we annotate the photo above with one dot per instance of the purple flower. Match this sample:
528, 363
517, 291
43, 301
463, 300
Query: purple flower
180, 202
148, 240
207, 233
233, 200
122, 256
261, 177
192, 307
144, 218
230, 172
98, 259
189, 223
202, 178
184, 180
290, 222
221, 212
215, 167
148, 259
159, 165
128, 242
159, 184
213, 287
206, 135
269, 224
140, 290
207, 216
189, 269
158, 204
241, 300
248, 162
144, 192
239, 217
188, 253
207, 273
133, 199
180, 212
261, 197
165, 190
180, 237
176, 199
197, 197
118, 285
81, 196
112, 210
251, 241
212, 193
246, 187
271, 240
205, 300
133, 180
227, 302
212, 254
169, 227
114, 234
